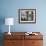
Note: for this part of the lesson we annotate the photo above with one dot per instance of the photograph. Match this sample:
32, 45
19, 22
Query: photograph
27, 15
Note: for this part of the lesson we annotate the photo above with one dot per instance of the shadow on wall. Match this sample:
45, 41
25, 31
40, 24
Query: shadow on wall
2, 21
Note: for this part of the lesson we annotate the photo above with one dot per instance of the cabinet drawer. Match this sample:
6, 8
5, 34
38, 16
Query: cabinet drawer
9, 43
37, 43
33, 43
13, 43
34, 37
16, 37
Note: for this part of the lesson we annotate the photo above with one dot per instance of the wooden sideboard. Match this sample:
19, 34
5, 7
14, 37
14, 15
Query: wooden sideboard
20, 39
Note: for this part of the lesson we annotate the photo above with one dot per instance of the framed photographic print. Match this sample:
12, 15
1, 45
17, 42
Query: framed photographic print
27, 15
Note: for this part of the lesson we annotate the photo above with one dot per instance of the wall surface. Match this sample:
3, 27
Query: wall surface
9, 8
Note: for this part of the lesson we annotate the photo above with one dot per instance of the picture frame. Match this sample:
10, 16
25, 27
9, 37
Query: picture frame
27, 15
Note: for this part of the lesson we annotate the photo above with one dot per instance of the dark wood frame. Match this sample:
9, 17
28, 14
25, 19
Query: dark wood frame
33, 10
